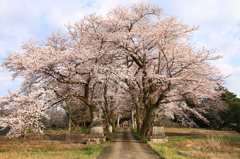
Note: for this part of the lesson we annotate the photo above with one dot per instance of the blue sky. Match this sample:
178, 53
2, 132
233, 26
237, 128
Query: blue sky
219, 21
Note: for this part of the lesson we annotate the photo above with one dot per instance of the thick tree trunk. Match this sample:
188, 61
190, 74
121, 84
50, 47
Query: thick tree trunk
106, 117
109, 114
112, 121
139, 118
139, 125
92, 110
69, 114
87, 98
147, 122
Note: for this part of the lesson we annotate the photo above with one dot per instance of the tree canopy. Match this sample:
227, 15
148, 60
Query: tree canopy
134, 51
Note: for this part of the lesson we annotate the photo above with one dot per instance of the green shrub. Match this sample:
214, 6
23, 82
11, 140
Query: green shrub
2, 149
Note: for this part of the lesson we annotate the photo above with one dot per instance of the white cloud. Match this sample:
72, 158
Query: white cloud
215, 13
233, 79
219, 23
6, 82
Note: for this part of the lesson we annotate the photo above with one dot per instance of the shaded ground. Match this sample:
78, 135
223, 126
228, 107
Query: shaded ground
126, 147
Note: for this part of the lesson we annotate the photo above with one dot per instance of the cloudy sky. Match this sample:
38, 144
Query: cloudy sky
219, 21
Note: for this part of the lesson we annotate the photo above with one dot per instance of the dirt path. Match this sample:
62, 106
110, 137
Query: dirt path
126, 147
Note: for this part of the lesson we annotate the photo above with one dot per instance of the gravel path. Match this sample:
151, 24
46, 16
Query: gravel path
126, 147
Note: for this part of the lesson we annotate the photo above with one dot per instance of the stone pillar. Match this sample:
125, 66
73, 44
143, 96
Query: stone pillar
133, 123
158, 133
110, 128
96, 133
118, 126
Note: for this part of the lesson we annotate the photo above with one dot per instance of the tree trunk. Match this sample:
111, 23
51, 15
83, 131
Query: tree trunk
106, 117
69, 124
109, 114
139, 118
87, 99
68, 110
92, 110
73, 125
147, 122
112, 120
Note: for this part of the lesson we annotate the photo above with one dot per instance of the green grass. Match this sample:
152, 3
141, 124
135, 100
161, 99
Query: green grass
110, 136
139, 137
46, 153
83, 130
92, 150
33, 146
177, 140
232, 138
44, 148
185, 148
166, 152
2, 149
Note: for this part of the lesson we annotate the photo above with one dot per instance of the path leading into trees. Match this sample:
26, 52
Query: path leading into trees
126, 147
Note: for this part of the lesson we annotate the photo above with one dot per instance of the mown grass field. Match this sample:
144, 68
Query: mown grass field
184, 143
187, 143
55, 144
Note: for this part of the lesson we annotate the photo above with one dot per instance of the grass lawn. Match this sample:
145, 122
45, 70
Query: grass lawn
57, 144
187, 143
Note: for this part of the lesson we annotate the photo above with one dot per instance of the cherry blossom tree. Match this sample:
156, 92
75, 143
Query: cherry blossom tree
114, 99
139, 48
72, 109
70, 65
168, 68
26, 111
